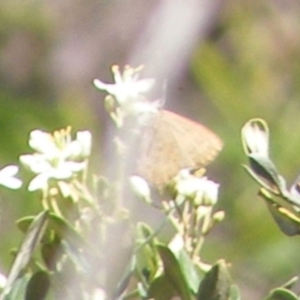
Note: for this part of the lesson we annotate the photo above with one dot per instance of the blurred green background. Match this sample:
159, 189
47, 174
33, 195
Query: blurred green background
243, 62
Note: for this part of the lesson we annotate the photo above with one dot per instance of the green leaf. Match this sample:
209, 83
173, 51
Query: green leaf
38, 286
192, 277
281, 294
191, 271
146, 254
234, 292
287, 220
125, 279
173, 272
64, 229
145, 234
51, 254
216, 284
266, 174
29, 244
24, 223
290, 283
294, 195
161, 289
18, 288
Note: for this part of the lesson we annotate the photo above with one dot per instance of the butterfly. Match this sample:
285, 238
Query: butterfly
170, 143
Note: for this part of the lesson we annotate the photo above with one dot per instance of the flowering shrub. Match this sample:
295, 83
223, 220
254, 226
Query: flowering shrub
86, 244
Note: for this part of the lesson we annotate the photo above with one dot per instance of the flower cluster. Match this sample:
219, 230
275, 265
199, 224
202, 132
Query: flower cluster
127, 87
127, 93
200, 189
57, 156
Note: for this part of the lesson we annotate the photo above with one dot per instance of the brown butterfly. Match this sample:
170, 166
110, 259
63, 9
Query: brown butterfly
170, 143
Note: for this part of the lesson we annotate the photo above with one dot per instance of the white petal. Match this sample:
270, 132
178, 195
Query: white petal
187, 184
36, 163
140, 187
11, 182
39, 182
67, 169
72, 150
61, 172
74, 166
211, 190
42, 142
9, 171
128, 91
144, 85
110, 88
7, 179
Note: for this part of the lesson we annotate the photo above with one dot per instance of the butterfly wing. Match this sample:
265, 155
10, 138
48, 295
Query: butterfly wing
198, 145
171, 143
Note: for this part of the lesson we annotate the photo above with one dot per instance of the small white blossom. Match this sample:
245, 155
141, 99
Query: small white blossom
57, 156
211, 191
187, 184
126, 96
7, 177
140, 188
127, 87
200, 189
255, 137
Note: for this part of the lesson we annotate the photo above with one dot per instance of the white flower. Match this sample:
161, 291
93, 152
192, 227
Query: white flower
126, 96
7, 177
187, 184
255, 137
211, 191
127, 87
202, 190
140, 188
57, 156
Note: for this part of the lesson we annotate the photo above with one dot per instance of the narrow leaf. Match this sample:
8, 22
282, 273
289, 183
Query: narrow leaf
173, 272
287, 221
161, 289
38, 286
281, 294
216, 284
29, 244
267, 173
